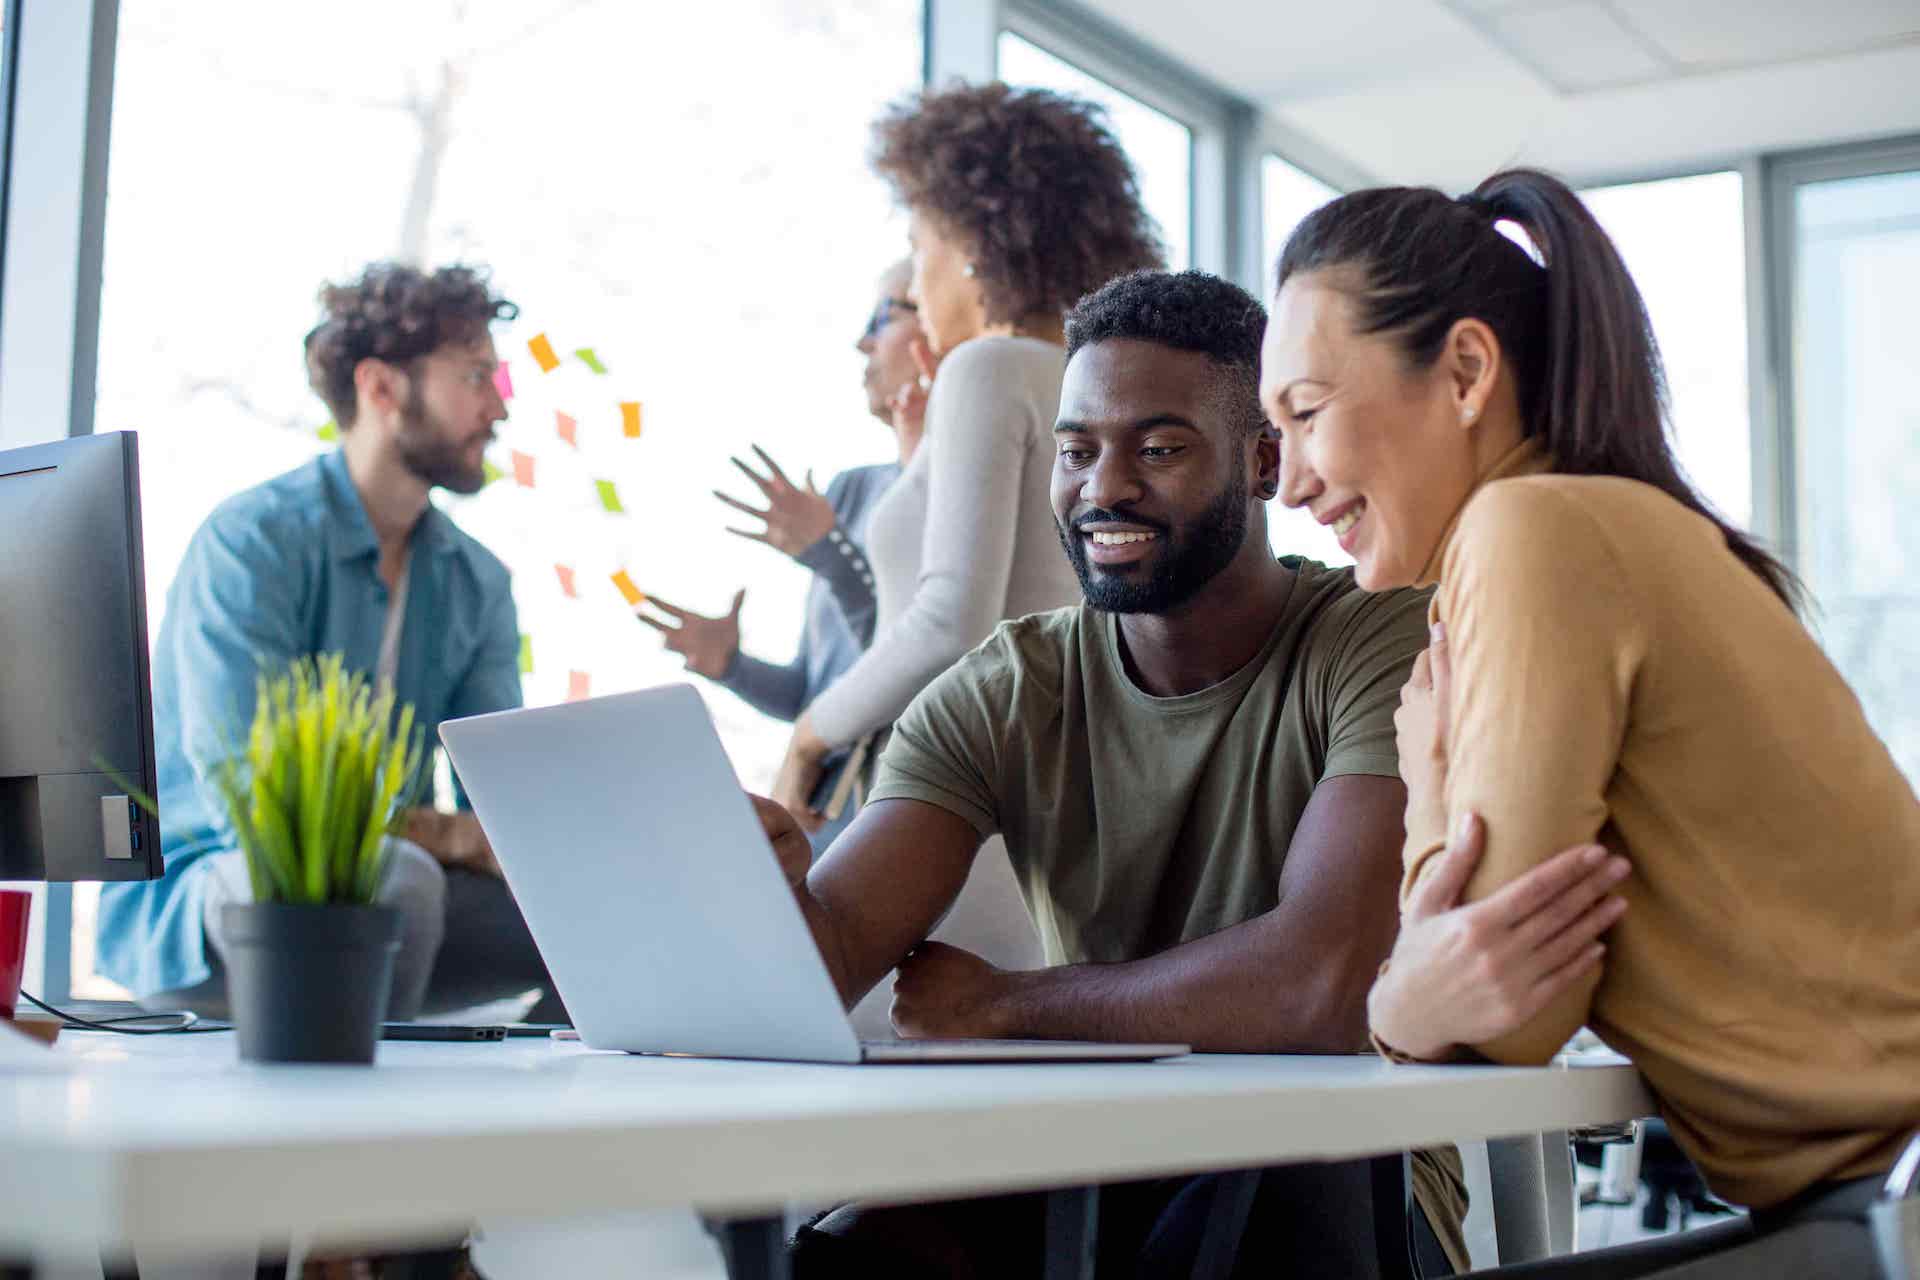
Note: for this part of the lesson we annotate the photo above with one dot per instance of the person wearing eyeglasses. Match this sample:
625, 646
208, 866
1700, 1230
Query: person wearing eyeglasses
826, 532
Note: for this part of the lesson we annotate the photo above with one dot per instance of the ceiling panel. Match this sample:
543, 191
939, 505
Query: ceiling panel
1742, 32
1578, 46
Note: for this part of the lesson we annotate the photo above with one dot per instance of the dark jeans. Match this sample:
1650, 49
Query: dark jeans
1308, 1221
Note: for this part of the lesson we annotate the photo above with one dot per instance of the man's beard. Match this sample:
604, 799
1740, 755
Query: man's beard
1189, 557
427, 453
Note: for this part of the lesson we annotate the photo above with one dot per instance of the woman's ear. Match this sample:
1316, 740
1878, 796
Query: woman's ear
1472, 357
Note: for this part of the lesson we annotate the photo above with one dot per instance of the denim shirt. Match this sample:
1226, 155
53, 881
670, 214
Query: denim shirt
290, 568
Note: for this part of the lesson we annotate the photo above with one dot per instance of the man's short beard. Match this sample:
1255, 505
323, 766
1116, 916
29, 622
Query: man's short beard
425, 451
1190, 557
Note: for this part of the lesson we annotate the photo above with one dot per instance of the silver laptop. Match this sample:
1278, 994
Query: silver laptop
651, 892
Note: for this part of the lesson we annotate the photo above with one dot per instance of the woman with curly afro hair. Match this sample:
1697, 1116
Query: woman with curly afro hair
1019, 202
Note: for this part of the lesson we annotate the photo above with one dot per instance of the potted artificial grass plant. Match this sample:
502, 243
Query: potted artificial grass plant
327, 768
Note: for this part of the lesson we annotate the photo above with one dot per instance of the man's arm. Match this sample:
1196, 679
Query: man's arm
882, 887
490, 683
1293, 979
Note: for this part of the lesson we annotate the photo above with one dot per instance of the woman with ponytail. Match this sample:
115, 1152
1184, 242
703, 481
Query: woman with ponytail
1615, 669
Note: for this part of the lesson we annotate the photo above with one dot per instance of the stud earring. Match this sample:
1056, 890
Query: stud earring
1466, 413
969, 271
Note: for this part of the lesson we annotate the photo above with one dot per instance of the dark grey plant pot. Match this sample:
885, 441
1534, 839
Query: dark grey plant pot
309, 983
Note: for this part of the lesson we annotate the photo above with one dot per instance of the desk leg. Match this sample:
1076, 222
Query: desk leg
755, 1248
1532, 1179
1073, 1220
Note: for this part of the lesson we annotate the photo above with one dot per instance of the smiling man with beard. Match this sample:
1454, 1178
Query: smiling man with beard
1196, 778
345, 555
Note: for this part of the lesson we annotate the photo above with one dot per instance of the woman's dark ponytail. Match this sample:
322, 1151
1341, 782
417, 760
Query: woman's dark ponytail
1591, 384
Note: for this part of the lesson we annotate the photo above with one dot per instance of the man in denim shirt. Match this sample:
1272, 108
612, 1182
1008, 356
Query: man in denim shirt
348, 555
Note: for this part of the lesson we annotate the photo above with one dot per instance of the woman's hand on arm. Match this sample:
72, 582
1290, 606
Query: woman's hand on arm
1464, 975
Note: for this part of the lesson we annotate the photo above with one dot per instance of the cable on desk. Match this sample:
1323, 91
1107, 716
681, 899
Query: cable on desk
187, 1023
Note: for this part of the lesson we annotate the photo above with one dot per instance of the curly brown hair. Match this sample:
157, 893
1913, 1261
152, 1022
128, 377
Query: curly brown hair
396, 313
1032, 182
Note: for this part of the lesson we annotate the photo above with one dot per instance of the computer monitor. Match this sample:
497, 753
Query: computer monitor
76, 703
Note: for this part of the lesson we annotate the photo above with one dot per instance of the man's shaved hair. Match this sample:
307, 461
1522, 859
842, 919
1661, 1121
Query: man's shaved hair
1188, 311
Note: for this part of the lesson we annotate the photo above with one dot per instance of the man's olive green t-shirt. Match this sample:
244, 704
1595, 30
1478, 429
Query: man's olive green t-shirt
1135, 823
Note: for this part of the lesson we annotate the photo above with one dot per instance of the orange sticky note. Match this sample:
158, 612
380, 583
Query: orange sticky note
633, 593
579, 686
568, 428
630, 413
523, 469
566, 580
543, 353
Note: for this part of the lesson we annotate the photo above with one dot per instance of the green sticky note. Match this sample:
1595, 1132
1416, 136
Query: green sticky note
489, 473
526, 654
609, 497
329, 432
591, 360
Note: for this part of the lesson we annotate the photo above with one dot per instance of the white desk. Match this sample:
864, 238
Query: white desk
170, 1142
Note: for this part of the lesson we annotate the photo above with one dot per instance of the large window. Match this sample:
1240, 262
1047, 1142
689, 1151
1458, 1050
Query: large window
1856, 410
1684, 242
1160, 147
684, 194
1288, 194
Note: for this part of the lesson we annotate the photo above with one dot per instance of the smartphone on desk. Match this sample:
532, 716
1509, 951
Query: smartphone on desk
449, 1032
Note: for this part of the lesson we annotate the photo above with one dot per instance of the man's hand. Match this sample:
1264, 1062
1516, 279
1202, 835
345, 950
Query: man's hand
454, 839
800, 773
1420, 728
1466, 975
707, 643
789, 842
944, 992
796, 518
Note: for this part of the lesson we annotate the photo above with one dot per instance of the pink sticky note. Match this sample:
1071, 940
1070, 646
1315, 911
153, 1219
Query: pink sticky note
578, 686
566, 580
523, 469
503, 381
568, 428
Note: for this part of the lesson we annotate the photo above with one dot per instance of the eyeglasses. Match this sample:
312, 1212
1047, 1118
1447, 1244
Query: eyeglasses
883, 315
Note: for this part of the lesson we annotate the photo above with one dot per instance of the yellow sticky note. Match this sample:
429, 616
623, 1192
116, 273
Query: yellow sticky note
526, 654
630, 417
489, 473
609, 496
330, 431
633, 593
543, 353
590, 360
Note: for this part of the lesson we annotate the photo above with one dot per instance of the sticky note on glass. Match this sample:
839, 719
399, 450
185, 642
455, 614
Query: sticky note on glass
328, 431
523, 469
568, 428
489, 473
566, 580
542, 352
630, 418
590, 360
503, 381
578, 686
609, 496
633, 593
526, 654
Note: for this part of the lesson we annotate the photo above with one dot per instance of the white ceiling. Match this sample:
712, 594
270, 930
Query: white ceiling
1446, 91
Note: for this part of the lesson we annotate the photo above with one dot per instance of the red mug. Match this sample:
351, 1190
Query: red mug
15, 906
